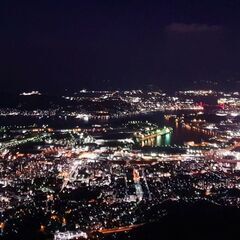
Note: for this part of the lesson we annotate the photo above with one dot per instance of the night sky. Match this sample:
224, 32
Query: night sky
54, 45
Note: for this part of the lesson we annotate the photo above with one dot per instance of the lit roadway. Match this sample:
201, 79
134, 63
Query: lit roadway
72, 175
119, 229
15, 142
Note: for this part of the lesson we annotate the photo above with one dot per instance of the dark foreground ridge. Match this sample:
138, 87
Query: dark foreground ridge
200, 220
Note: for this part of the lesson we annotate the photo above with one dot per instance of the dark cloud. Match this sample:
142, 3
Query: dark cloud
192, 28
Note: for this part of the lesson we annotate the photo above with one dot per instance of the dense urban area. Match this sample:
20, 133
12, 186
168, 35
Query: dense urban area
103, 164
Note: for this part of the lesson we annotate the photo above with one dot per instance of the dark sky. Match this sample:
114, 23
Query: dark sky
53, 45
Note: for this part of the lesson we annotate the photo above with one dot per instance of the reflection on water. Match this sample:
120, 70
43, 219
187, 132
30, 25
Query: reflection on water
161, 140
168, 139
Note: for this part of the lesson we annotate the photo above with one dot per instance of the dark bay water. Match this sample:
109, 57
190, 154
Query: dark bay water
178, 136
